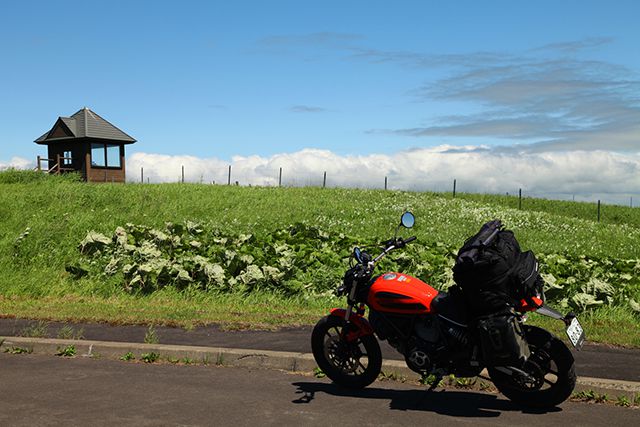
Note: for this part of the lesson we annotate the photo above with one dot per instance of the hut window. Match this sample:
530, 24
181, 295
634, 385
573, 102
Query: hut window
98, 157
113, 156
105, 155
67, 158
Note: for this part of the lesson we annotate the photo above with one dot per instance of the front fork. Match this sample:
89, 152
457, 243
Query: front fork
356, 325
351, 301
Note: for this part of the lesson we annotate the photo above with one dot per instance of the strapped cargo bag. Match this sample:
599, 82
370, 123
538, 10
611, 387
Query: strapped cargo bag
483, 268
493, 273
526, 279
502, 340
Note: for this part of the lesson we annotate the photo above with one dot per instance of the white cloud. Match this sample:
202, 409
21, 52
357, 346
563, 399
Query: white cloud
585, 174
17, 163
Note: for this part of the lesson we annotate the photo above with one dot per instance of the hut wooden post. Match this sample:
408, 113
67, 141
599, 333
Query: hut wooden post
87, 168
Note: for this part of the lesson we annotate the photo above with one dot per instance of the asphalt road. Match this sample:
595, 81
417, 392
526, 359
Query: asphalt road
45, 390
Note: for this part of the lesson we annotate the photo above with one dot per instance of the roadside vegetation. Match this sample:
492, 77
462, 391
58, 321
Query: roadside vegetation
189, 254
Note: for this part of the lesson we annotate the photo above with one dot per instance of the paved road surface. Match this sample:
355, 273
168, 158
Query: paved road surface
592, 361
45, 390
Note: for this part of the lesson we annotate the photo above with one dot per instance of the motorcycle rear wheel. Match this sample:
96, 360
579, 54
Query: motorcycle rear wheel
352, 364
550, 364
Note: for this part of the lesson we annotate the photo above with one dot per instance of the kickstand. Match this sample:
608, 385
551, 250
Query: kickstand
435, 383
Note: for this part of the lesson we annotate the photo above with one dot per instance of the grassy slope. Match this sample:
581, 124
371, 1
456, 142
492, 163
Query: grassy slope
610, 214
59, 214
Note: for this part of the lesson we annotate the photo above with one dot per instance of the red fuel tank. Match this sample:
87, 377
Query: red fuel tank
401, 294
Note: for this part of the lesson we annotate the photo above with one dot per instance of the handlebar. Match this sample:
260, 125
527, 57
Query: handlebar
397, 242
391, 245
366, 264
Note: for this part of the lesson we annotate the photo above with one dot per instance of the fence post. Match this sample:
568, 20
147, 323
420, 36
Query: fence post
324, 180
38, 163
229, 181
631, 202
182, 174
280, 178
598, 210
58, 167
520, 198
454, 188
141, 175
385, 182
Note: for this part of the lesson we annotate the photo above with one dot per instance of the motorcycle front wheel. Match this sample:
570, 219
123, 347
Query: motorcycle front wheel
353, 363
550, 368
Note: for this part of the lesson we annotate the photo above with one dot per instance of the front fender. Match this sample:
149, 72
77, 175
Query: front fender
362, 327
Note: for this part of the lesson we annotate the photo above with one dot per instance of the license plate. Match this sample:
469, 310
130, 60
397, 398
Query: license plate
575, 333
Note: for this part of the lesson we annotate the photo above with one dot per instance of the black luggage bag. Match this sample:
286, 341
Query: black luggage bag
494, 275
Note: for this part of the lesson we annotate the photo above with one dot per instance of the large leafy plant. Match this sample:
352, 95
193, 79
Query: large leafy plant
307, 260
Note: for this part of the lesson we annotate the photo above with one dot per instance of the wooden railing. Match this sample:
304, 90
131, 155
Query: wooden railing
58, 166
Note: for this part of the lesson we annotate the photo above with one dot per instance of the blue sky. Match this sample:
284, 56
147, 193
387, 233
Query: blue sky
229, 80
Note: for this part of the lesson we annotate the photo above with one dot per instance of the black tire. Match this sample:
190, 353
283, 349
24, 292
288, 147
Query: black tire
550, 363
354, 364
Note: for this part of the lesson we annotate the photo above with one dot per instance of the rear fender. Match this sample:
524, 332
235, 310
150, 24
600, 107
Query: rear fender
361, 326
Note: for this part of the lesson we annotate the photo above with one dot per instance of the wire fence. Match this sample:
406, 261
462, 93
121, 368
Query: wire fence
278, 178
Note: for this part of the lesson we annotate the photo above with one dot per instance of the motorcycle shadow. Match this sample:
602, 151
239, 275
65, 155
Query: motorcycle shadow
445, 402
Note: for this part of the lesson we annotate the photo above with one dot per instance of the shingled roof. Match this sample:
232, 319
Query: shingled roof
84, 124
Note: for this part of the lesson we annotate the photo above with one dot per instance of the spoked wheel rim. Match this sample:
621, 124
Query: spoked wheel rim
538, 368
546, 379
345, 354
349, 357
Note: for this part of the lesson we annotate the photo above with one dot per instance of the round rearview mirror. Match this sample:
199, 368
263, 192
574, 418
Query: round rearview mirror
357, 254
407, 220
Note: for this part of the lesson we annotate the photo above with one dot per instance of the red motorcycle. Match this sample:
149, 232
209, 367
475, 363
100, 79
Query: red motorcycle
438, 336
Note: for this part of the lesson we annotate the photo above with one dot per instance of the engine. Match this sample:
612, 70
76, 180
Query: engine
425, 341
423, 348
426, 329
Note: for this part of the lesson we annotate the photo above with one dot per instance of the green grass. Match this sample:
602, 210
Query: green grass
149, 357
44, 219
151, 336
68, 332
609, 214
38, 329
68, 351
128, 356
16, 176
606, 325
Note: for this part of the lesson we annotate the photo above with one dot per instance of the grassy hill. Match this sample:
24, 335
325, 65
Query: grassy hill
271, 256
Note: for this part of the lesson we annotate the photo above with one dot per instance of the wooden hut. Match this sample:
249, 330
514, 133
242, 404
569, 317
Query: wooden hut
88, 144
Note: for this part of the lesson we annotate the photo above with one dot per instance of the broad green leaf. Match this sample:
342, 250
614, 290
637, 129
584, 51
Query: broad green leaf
94, 242
251, 275
584, 301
